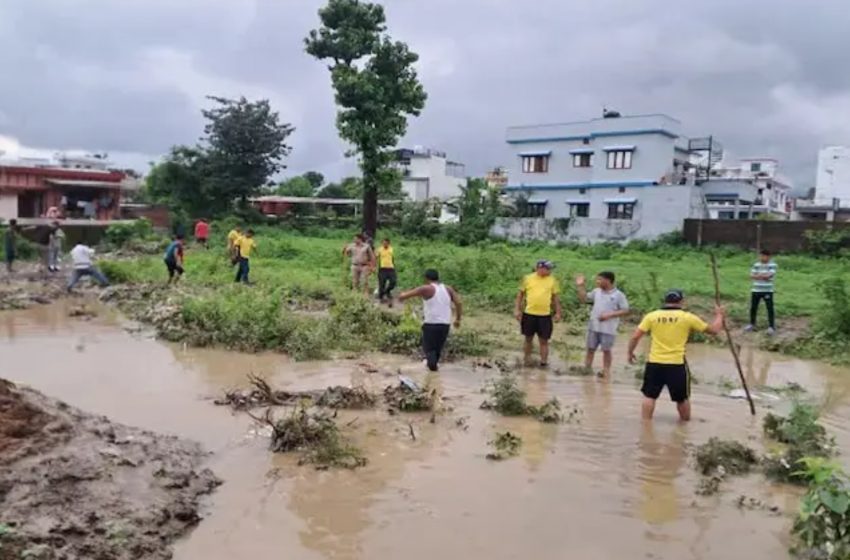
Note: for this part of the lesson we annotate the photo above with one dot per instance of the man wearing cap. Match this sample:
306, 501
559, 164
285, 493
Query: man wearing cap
540, 291
670, 328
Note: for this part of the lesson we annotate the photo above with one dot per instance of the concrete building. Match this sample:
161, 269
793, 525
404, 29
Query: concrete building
751, 188
47, 190
497, 178
615, 177
428, 174
833, 176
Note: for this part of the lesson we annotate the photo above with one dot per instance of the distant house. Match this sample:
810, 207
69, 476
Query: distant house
753, 188
427, 174
80, 188
615, 177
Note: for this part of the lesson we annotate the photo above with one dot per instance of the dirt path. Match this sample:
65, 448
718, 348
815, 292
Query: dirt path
74, 485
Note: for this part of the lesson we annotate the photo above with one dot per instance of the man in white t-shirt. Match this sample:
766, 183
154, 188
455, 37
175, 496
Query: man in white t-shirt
81, 256
609, 304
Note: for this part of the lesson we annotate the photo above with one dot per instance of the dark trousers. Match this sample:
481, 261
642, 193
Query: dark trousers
244, 267
386, 282
768, 303
433, 339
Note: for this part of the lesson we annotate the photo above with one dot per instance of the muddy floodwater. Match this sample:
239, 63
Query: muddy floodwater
604, 486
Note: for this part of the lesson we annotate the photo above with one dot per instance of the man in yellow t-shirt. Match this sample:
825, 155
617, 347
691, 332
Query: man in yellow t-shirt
233, 243
245, 245
387, 278
670, 328
540, 292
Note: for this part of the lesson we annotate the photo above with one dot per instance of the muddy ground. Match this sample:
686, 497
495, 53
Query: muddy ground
74, 485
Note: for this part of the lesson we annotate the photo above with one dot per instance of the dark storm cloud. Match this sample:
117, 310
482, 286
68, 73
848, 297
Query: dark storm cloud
768, 78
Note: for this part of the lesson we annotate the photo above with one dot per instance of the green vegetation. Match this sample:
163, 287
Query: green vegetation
822, 527
506, 398
802, 437
316, 435
376, 88
505, 445
731, 456
299, 272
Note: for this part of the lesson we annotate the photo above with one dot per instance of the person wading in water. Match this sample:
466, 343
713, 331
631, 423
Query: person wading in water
437, 301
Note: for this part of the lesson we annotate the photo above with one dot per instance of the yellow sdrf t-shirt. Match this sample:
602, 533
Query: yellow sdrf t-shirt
385, 255
670, 329
538, 293
246, 245
233, 237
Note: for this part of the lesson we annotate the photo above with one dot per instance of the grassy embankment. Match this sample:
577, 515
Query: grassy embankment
303, 274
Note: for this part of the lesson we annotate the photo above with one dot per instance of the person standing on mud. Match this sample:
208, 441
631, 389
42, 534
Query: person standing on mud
55, 243
81, 256
10, 244
670, 328
609, 304
540, 292
174, 259
762, 274
437, 302
387, 278
202, 232
362, 262
244, 248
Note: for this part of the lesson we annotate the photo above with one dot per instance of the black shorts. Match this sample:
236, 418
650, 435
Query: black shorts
540, 325
674, 376
173, 268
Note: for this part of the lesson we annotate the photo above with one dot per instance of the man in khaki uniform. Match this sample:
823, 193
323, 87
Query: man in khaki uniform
362, 262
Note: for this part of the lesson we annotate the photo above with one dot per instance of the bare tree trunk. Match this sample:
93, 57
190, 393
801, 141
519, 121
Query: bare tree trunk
370, 205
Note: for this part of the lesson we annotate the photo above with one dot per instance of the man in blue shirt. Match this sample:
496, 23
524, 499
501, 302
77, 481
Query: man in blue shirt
763, 272
174, 259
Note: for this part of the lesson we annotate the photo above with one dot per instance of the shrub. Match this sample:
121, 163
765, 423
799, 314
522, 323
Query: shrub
828, 242
822, 527
834, 320
119, 234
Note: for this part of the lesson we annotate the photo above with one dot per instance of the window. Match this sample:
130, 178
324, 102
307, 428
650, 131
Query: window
582, 160
535, 210
620, 159
622, 189
755, 167
535, 164
621, 210
579, 209
586, 141
582, 191
726, 215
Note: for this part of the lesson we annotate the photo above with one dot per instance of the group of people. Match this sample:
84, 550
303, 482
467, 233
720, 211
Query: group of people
538, 307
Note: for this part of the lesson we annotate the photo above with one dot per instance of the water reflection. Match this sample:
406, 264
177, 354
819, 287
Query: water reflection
659, 462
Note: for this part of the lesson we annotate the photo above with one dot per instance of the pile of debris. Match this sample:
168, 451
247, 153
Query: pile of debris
506, 398
261, 394
73, 485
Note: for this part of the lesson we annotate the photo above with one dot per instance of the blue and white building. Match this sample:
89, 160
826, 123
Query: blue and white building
615, 177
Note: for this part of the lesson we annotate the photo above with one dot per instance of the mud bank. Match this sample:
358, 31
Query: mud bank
74, 485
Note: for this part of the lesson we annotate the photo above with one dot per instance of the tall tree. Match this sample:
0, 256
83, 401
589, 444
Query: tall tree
243, 146
315, 178
296, 186
246, 144
376, 88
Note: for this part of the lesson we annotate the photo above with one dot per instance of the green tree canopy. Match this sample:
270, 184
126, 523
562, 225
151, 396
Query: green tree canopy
376, 88
296, 186
244, 144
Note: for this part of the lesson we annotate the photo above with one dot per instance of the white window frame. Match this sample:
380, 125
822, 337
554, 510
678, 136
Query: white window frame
574, 206
620, 159
535, 164
578, 159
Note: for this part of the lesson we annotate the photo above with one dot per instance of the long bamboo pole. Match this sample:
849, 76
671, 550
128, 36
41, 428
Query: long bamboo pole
732, 347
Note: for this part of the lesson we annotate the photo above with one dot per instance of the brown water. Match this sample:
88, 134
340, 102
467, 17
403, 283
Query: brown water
604, 487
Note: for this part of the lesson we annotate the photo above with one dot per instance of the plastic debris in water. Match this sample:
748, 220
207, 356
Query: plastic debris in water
408, 383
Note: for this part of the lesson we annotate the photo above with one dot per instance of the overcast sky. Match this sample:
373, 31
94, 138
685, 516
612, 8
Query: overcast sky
769, 78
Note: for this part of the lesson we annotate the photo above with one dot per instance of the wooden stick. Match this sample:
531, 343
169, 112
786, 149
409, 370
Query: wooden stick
732, 347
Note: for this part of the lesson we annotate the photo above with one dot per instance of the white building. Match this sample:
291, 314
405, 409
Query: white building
833, 178
428, 174
751, 188
613, 178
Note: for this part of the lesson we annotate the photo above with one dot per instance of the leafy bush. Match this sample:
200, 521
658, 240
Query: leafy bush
828, 242
119, 234
834, 320
508, 399
802, 436
822, 527
419, 219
